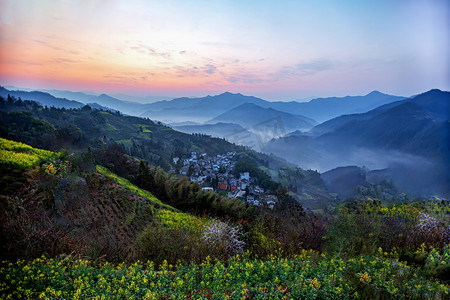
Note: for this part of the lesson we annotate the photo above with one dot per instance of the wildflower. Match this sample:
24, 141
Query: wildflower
364, 277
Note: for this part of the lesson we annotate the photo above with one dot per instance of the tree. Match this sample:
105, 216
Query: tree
190, 170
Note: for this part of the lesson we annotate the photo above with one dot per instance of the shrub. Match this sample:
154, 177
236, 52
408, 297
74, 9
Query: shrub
438, 263
223, 238
160, 243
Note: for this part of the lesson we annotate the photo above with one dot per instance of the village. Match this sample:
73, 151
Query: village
216, 174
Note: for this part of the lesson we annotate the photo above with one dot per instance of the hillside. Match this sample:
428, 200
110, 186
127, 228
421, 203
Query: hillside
96, 213
67, 201
91, 229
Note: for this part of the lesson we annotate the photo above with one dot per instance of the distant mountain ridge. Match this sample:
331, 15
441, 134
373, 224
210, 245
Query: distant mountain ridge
250, 116
198, 109
45, 99
205, 108
334, 123
319, 109
410, 126
129, 108
322, 109
77, 96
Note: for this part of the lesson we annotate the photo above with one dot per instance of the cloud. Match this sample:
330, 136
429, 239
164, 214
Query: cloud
209, 69
186, 71
303, 69
245, 78
196, 71
49, 45
313, 67
30, 63
59, 60
141, 48
117, 79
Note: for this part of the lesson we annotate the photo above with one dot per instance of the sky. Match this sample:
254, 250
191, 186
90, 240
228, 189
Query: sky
276, 50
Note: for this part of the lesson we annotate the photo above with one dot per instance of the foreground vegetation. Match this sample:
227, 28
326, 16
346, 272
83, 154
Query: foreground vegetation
305, 276
95, 228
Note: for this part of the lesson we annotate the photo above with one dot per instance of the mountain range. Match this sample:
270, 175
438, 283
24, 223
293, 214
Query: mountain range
320, 109
409, 139
204, 109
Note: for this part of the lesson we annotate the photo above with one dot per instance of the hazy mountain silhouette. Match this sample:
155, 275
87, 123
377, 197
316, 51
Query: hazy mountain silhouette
77, 96
129, 108
197, 109
250, 115
205, 108
322, 109
45, 99
418, 126
335, 123
409, 139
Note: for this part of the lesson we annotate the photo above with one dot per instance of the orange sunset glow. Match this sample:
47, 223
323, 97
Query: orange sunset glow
180, 48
